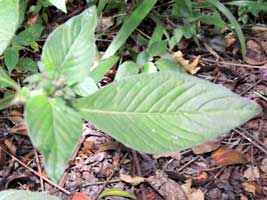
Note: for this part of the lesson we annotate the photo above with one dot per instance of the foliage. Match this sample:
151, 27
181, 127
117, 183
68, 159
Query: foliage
17, 195
154, 112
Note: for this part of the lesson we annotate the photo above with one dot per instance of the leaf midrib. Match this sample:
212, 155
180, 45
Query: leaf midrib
112, 112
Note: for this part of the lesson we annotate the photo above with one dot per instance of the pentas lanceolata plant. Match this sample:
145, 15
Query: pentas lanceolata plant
155, 112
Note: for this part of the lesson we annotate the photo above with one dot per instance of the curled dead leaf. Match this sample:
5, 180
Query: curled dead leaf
192, 67
206, 147
175, 155
166, 187
192, 194
227, 156
132, 180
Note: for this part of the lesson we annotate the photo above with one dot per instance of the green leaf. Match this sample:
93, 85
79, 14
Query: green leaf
6, 81
11, 58
177, 36
116, 192
126, 69
29, 35
70, 50
6, 100
102, 68
27, 64
150, 68
165, 111
9, 19
55, 130
157, 48
86, 87
168, 63
19, 195
129, 25
60, 4
233, 22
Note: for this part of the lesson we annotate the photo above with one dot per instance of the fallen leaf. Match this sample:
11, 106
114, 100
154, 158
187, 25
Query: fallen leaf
259, 32
206, 147
192, 67
80, 196
263, 165
249, 188
132, 180
252, 187
192, 194
201, 176
90, 146
230, 40
167, 188
116, 192
226, 156
2, 156
19, 129
176, 155
243, 197
252, 173
255, 53
10, 146
110, 145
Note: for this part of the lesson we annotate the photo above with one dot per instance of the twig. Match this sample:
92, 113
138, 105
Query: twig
139, 173
111, 175
216, 176
250, 87
187, 164
251, 139
39, 169
36, 173
233, 64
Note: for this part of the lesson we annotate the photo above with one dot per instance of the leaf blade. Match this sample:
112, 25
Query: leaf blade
164, 112
55, 130
9, 19
70, 50
19, 194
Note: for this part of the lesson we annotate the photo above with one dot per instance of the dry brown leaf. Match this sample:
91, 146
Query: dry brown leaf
226, 156
255, 53
192, 67
19, 129
259, 32
10, 146
192, 194
263, 165
2, 157
89, 145
243, 197
132, 180
206, 147
249, 187
80, 196
252, 173
110, 145
175, 155
201, 176
230, 40
167, 188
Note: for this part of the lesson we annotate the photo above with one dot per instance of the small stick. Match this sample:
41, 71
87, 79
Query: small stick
262, 148
36, 173
39, 169
187, 164
233, 64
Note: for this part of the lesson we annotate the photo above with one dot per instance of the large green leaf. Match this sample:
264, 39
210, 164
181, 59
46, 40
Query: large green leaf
165, 111
9, 19
19, 195
60, 4
55, 130
70, 49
